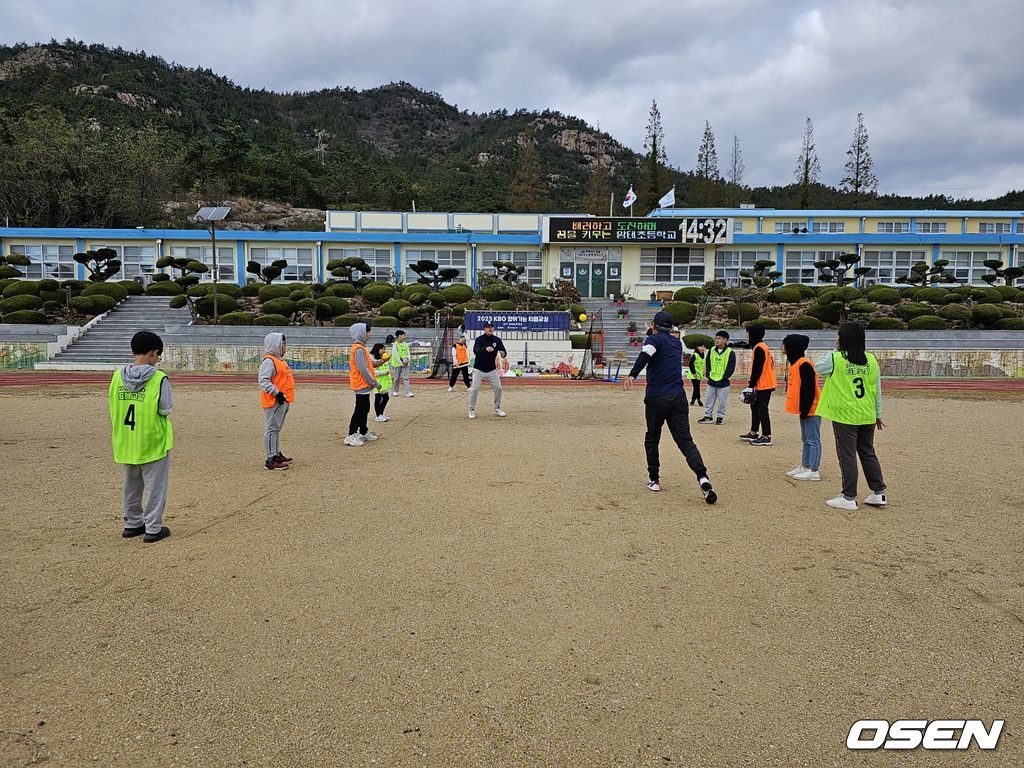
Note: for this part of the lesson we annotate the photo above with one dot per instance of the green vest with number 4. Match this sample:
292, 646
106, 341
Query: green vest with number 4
719, 363
698, 367
383, 372
140, 434
850, 393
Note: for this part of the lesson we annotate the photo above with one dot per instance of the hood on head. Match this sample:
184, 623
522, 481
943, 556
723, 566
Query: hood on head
795, 345
273, 344
756, 333
134, 377
358, 331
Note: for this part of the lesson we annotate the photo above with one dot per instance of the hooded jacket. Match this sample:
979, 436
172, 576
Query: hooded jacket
134, 378
272, 345
796, 345
759, 359
359, 332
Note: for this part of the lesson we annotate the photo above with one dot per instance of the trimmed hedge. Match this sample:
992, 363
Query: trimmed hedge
25, 317
223, 289
83, 305
18, 303
886, 324
285, 307
385, 321
301, 293
417, 298
345, 321
407, 313
826, 313
689, 294
22, 288
911, 309
436, 299
178, 302
505, 306
933, 295
848, 293
336, 304
101, 303
882, 295
415, 288
1008, 292
76, 286
495, 292
927, 323
960, 312
113, 290
691, 340
457, 294
169, 288
271, 292
787, 295
251, 290
394, 307
682, 312
578, 340
1011, 324
863, 307
341, 290
270, 320
7, 272
804, 323
986, 315
4, 282
225, 304
378, 293
806, 291
768, 324
133, 288
236, 318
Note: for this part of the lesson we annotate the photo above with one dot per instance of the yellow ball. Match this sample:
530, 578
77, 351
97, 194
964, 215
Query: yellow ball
385, 356
583, 318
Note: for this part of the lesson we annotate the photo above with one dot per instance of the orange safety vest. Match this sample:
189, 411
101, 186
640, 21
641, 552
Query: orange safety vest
355, 378
282, 379
461, 355
793, 388
767, 380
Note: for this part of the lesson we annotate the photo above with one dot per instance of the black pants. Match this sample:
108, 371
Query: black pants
464, 370
362, 410
671, 409
696, 391
853, 441
760, 420
380, 402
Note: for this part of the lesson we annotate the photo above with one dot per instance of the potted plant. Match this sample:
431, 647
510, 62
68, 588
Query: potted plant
631, 328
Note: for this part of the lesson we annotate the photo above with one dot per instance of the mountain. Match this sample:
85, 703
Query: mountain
95, 136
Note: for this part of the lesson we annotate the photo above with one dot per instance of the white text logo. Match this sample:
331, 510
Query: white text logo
911, 734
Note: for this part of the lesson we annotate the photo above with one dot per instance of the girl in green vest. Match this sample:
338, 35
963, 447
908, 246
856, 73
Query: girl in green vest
851, 399
698, 360
382, 366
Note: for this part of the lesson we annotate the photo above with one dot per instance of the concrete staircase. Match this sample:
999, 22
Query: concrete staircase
106, 343
615, 338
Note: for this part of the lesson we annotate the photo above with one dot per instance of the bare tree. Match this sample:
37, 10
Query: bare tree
736, 167
808, 168
860, 178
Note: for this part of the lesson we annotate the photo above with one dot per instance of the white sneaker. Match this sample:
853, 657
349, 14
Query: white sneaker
382, 417
795, 471
841, 502
409, 394
369, 437
499, 412
450, 388
653, 485
807, 474
472, 414
876, 499
354, 440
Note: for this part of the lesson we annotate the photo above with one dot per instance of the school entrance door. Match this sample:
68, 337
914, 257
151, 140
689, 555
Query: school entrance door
596, 280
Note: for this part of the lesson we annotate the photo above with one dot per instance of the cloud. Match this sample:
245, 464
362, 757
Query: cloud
939, 89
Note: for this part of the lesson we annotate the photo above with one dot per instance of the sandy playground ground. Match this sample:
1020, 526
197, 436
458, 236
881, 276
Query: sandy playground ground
502, 592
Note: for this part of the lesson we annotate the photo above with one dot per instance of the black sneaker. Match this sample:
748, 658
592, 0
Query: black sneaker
709, 493
128, 533
763, 441
718, 422
704, 420
163, 533
749, 437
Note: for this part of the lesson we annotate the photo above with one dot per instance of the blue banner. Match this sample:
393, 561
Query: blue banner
516, 321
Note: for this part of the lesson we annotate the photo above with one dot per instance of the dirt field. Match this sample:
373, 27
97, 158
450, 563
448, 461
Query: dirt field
502, 592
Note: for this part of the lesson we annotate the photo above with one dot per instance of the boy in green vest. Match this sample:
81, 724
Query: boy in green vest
400, 363
720, 365
140, 401
696, 372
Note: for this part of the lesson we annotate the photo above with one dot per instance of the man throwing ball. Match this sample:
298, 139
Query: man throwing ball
487, 349
665, 401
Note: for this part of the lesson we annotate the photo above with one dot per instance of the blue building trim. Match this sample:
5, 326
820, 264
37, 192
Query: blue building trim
876, 239
780, 259
800, 213
399, 274
810, 225
472, 266
239, 262
963, 225
935, 253
79, 248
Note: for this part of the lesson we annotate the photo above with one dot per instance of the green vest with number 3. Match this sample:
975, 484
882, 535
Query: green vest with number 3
140, 434
850, 393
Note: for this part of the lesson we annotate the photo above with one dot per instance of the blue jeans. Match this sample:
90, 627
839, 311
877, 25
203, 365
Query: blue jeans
810, 434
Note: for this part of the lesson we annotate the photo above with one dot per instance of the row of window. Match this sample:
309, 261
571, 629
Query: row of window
895, 227
887, 266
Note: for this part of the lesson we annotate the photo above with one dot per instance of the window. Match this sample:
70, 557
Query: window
893, 227
994, 228
135, 260
672, 265
969, 266
931, 227
48, 261
378, 258
830, 227
1020, 228
737, 226
454, 259
886, 266
800, 265
728, 265
204, 254
787, 227
300, 262
532, 260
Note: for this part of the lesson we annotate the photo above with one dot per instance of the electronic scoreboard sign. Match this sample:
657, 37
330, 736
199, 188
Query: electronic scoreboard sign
589, 229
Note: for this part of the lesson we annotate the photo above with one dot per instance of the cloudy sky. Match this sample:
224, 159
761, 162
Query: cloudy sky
939, 82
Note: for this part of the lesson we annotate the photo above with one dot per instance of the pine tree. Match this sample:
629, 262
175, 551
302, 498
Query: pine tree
654, 175
707, 157
808, 169
528, 192
599, 187
736, 167
860, 178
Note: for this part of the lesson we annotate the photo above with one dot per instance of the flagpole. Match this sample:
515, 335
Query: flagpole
611, 206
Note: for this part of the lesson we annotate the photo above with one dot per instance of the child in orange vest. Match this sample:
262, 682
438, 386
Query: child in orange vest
460, 362
760, 387
363, 381
277, 392
802, 395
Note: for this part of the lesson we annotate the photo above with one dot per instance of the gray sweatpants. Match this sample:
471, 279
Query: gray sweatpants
150, 477
719, 395
853, 441
401, 374
479, 377
274, 418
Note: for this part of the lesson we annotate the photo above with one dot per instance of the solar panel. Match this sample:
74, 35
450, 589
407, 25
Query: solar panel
213, 214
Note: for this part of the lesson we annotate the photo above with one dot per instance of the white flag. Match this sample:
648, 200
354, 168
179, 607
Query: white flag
629, 199
669, 199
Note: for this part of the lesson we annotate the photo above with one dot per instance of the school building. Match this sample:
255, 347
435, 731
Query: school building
664, 251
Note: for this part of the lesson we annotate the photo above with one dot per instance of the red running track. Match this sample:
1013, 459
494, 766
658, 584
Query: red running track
62, 378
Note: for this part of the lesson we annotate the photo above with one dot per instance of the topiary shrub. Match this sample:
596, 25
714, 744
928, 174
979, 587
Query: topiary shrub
386, 321
848, 293
1007, 311
225, 304
495, 292
394, 307
345, 321
101, 303
1011, 324
692, 340
270, 320
133, 288
306, 305
187, 281
911, 309
959, 312
83, 305
236, 318
787, 295
746, 311
301, 292
22, 288
986, 315
1019, 298
927, 323
826, 296
932, 295
457, 294
768, 324
52, 307
413, 289
505, 306
114, 291
826, 313
378, 293
25, 317
336, 305
17, 303
271, 292
544, 292
689, 294
169, 288
285, 307
987, 296
882, 295
804, 323
160, 277
863, 307
682, 312
886, 324
76, 286
1008, 292
407, 313
417, 298
178, 302
341, 290
578, 340
251, 290
6, 282
436, 299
